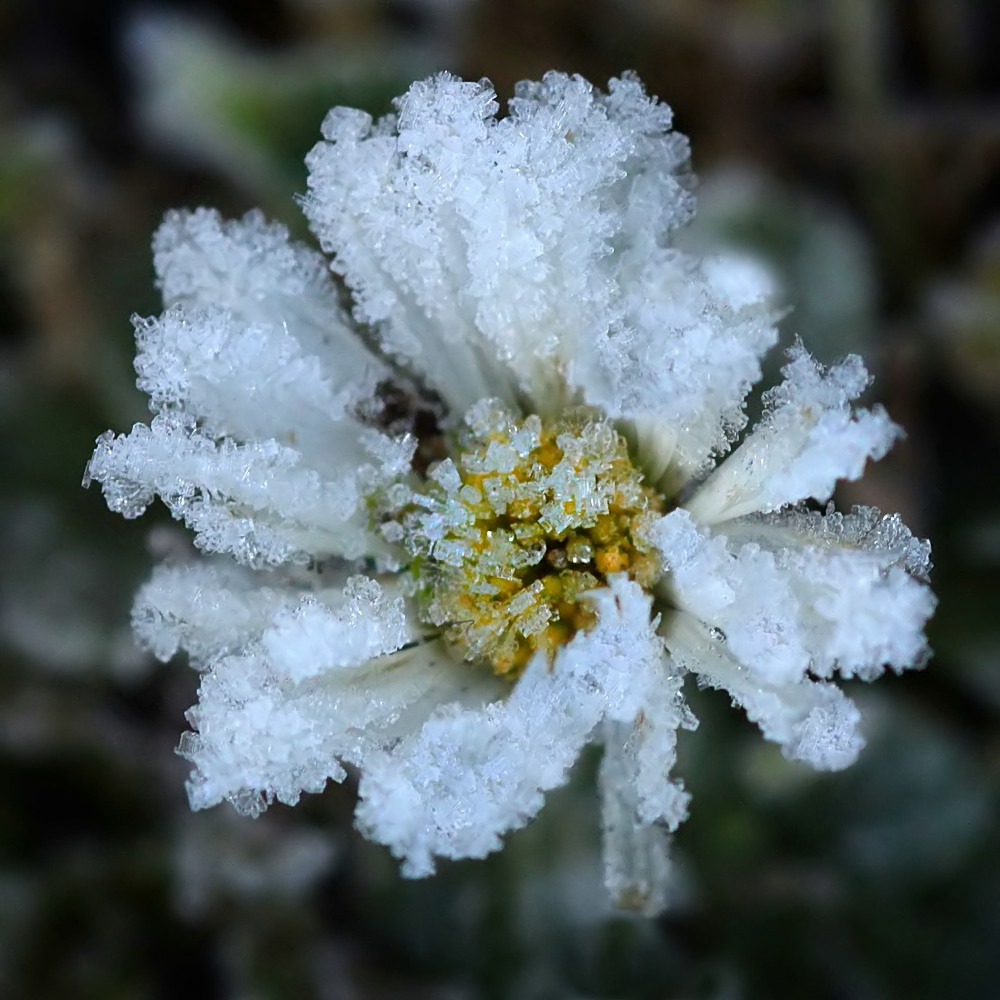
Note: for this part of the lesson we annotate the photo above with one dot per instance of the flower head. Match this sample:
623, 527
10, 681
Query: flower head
505, 505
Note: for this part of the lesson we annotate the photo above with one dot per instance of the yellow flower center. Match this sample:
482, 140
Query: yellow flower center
509, 538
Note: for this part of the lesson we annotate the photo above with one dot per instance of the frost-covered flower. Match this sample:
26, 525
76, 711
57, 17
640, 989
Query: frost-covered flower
483, 520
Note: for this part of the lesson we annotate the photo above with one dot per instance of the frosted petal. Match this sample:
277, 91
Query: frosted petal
787, 605
250, 269
314, 638
256, 501
622, 656
471, 775
534, 248
636, 853
743, 592
206, 609
245, 266
808, 439
282, 325
689, 353
860, 580
862, 528
252, 382
863, 609
277, 719
812, 722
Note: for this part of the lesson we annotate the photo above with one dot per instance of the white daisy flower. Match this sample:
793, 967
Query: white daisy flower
481, 521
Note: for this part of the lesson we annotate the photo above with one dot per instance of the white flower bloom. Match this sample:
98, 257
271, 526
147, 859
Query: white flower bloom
480, 522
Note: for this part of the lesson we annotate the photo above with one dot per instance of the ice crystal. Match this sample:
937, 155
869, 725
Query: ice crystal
502, 508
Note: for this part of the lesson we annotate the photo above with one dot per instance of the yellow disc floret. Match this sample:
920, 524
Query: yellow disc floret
509, 537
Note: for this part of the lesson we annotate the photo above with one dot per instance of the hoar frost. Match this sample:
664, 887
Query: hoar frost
504, 505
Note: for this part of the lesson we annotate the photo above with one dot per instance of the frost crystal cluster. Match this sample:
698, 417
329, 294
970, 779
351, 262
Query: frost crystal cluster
505, 503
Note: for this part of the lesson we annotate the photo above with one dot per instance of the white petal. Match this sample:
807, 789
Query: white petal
812, 722
250, 269
253, 382
206, 609
743, 592
640, 801
636, 852
686, 356
255, 501
471, 775
858, 581
653, 742
376, 201
808, 439
863, 528
314, 638
527, 240
254, 342
622, 656
740, 280
788, 601
261, 733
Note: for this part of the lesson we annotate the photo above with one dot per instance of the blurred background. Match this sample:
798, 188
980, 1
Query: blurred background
853, 145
